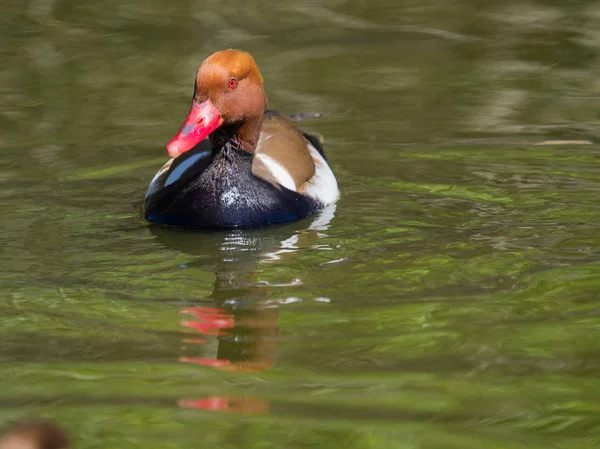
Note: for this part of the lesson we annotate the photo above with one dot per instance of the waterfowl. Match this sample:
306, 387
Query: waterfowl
36, 434
234, 163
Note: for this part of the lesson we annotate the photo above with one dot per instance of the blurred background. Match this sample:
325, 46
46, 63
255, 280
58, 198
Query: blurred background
450, 301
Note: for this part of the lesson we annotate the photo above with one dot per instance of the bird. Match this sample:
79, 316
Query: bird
234, 163
34, 434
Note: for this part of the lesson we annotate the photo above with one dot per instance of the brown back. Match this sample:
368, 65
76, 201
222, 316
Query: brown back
283, 142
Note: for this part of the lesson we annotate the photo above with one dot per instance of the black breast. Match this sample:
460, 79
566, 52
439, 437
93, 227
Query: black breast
220, 191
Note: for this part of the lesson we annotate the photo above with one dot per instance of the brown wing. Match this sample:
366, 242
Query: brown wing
282, 142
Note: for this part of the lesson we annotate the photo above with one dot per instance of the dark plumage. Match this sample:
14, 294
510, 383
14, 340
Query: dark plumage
221, 192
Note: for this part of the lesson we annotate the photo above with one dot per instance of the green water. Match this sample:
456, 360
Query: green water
450, 301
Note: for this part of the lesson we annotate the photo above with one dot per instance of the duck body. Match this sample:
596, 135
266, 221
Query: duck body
215, 188
233, 163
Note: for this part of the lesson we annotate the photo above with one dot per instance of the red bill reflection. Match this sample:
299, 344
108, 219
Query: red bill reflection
244, 340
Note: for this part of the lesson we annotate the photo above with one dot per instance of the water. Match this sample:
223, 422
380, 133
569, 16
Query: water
450, 301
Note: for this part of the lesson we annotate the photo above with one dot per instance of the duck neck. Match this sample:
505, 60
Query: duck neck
245, 134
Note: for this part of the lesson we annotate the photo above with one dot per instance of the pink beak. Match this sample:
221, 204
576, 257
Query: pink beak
202, 120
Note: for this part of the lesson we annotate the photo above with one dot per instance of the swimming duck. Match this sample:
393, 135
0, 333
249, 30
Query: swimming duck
36, 434
234, 163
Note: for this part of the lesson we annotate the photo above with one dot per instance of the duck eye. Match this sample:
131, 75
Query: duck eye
232, 83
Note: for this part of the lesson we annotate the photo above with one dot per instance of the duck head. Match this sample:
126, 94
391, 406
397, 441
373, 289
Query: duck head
34, 435
228, 96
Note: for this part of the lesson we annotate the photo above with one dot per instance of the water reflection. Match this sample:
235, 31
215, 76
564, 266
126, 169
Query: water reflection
236, 328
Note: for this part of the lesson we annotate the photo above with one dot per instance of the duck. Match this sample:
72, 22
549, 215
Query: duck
234, 163
34, 434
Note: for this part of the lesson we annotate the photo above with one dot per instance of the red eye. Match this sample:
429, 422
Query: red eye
232, 83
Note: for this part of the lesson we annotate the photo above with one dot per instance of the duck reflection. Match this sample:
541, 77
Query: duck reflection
237, 327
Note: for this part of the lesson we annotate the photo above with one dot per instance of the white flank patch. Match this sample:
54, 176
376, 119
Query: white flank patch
323, 185
280, 174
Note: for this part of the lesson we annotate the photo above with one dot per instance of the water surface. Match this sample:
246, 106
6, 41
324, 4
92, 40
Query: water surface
449, 301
